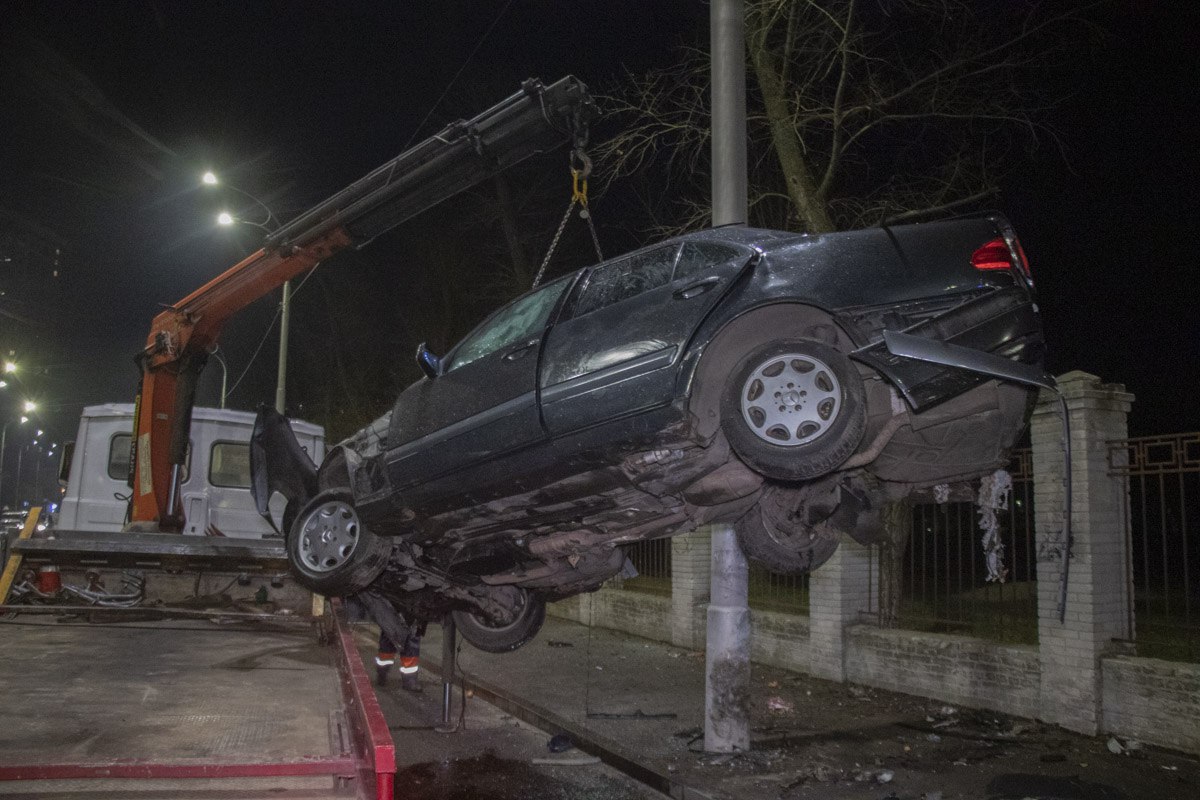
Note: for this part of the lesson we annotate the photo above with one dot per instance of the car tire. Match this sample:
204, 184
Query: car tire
329, 549
770, 534
816, 416
491, 638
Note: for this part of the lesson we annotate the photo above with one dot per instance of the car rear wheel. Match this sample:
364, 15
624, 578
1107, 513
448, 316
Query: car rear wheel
492, 636
330, 551
794, 409
771, 534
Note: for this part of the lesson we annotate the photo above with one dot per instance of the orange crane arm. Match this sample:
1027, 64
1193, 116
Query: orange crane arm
535, 119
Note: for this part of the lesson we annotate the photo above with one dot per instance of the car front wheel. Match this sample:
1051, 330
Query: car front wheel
329, 549
794, 409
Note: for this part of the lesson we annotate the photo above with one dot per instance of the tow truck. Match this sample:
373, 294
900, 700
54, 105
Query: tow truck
135, 675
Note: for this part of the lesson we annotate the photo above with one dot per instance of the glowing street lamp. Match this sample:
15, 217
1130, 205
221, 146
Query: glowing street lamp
225, 218
209, 178
30, 407
10, 367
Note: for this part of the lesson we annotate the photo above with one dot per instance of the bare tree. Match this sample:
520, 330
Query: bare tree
859, 111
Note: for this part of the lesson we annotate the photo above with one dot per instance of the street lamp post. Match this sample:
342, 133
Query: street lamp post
29, 406
285, 315
224, 372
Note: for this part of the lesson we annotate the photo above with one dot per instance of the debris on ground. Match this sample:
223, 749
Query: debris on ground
779, 705
559, 743
1127, 747
558, 643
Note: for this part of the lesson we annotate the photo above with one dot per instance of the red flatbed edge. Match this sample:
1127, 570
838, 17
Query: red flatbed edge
171, 705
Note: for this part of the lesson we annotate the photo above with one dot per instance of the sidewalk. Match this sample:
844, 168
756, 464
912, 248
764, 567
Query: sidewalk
640, 705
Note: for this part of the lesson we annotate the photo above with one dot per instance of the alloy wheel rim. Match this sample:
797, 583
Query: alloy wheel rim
791, 399
329, 536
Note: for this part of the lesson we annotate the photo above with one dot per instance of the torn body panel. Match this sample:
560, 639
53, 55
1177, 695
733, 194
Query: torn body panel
279, 464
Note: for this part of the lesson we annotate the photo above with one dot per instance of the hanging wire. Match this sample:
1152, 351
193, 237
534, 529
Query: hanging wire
446, 91
267, 334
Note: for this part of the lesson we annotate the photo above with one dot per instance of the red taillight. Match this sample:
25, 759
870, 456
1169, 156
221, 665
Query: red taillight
993, 255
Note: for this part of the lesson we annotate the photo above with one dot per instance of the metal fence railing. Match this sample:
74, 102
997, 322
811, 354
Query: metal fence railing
935, 578
653, 562
1162, 475
772, 592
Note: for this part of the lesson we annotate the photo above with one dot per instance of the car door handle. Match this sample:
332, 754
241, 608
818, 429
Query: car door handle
521, 350
696, 289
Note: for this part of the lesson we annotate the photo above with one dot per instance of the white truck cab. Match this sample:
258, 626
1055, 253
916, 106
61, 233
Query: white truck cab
216, 479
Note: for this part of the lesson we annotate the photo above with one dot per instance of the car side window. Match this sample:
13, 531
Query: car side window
521, 320
628, 277
695, 257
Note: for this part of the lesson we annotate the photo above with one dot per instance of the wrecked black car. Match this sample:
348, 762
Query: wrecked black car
788, 384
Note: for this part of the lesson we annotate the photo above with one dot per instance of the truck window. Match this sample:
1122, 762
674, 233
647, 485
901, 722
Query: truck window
229, 465
118, 456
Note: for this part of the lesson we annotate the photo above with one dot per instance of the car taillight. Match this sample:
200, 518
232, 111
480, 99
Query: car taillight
993, 255
1002, 253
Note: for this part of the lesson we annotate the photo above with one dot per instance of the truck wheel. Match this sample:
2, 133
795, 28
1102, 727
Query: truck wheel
330, 551
492, 637
794, 409
770, 534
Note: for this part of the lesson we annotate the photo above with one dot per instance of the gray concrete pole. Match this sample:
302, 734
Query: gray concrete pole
3, 441
285, 318
727, 659
727, 42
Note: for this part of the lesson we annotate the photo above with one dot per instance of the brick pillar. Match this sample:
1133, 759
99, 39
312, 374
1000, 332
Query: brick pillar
691, 566
838, 592
1097, 589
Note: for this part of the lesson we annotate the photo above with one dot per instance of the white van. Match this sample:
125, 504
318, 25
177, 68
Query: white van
216, 479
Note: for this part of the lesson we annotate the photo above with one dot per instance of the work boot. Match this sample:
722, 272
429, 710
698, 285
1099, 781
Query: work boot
381, 675
411, 683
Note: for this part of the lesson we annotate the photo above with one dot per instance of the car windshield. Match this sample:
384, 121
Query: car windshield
522, 319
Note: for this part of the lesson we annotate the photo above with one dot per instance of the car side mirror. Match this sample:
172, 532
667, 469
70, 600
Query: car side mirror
430, 364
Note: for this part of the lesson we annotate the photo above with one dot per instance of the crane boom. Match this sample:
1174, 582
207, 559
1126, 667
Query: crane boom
535, 119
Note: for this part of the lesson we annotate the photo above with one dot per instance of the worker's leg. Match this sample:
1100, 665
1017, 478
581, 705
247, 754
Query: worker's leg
384, 659
410, 654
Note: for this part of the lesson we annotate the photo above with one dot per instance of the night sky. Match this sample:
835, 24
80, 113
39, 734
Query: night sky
112, 110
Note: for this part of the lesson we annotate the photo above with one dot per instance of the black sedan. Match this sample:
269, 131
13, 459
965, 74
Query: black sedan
771, 380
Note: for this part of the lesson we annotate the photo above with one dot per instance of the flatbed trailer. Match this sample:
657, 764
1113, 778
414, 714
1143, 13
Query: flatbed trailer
167, 702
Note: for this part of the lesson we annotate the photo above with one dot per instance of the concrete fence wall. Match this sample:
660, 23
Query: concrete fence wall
1079, 675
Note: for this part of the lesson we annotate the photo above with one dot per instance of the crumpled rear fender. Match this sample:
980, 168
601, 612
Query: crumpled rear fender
278, 463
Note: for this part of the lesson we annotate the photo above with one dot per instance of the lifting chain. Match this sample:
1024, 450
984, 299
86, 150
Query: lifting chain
581, 168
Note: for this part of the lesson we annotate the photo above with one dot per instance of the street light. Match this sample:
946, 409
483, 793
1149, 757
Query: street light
10, 367
285, 316
270, 223
30, 406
